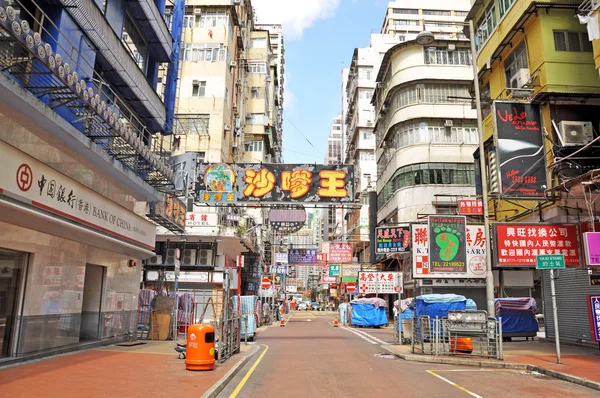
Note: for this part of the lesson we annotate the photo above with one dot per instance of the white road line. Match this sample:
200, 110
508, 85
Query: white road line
360, 335
471, 393
371, 336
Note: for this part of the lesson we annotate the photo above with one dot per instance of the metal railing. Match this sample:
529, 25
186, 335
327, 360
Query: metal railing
589, 6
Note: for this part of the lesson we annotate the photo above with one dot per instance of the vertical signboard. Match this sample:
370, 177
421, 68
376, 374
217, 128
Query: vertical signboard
594, 314
520, 147
447, 244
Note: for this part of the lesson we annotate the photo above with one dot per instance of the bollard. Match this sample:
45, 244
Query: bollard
282, 324
335, 322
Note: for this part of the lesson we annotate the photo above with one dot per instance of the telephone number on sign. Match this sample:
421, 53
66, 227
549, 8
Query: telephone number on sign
448, 264
524, 179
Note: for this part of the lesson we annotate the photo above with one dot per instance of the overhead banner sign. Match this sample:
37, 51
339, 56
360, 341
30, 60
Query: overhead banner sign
340, 253
476, 255
519, 244
520, 148
380, 282
287, 220
275, 183
392, 239
302, 256
447, 244
470, 207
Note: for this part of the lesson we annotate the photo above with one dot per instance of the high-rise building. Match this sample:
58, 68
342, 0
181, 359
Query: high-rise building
334, 143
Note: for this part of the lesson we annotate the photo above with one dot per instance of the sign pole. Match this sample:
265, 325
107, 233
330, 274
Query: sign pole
555, 315
399, 309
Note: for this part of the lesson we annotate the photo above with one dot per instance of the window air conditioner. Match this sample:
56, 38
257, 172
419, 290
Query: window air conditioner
227, 127
448, 123
576, 133
233, 64
154, 260
170, 257
205, 257
189, 257
519, 79
197, 11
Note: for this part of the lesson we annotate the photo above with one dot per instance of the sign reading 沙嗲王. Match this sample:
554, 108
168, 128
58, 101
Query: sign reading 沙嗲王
31, 181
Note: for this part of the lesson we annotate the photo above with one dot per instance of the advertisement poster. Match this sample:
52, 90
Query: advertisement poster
476, 255
302, 256
519, 244
392, 239
340, 253
380, 282
447, 244
591, 243
520, 147
594, 314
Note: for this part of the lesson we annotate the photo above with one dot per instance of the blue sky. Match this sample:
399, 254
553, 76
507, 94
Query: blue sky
319, 41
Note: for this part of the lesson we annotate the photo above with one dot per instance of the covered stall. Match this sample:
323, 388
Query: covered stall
518, 317
369, 312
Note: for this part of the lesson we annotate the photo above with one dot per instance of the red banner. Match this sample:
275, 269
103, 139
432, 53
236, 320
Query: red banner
470, 207
519, 244
340, 253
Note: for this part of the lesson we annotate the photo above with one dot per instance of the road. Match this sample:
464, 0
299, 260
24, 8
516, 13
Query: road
310, 358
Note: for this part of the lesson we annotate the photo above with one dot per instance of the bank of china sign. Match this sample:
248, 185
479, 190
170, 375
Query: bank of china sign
32, 182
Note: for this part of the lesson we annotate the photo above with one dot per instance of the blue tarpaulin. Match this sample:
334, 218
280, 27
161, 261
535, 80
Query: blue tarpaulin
369, 312
518, 315
438, 305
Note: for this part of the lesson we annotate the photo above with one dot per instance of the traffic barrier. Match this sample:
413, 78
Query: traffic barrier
335, 322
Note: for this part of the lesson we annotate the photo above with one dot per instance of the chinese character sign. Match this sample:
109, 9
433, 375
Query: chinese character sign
594, 314
392, 239
470, 207
254, 182
380, 282
281, 258
475, 248
335, 270
591, 243
340, 253
447, 244
519, 244
302, 256
278, 269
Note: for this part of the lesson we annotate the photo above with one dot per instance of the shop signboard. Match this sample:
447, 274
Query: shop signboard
380, 282
278, 269
350, 270
325, 247
281, 258
476, 255
470, 207
594, 315
520, 148
447, 238
287, 220
591, 244
392, 239
275, 183
27, 180
335, 270
519, 244
340, 253
200, 219
328, 279
302, 256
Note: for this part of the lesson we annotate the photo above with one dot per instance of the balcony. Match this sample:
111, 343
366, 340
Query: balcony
150, 20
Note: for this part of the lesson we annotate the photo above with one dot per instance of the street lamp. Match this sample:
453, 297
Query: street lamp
426, 38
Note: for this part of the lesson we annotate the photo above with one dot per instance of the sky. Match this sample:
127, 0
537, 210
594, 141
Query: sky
320, 37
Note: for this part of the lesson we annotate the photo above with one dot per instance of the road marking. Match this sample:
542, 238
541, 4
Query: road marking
360, 335
454, 384
245, 379
372, 337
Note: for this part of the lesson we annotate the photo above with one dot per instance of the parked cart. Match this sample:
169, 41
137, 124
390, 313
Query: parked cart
518, 317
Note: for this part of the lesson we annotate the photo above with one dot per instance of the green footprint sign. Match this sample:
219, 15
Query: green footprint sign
447, 244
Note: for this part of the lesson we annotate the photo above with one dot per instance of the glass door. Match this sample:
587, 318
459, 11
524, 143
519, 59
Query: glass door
11, 270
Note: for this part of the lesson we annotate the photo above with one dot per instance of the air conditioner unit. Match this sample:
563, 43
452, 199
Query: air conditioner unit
451, 46
189, 257
227, 127
197, 11
154, 260
233, 64
170, 257
576, 133
195, 82
370, 123
448, 123
205, 257
519, 79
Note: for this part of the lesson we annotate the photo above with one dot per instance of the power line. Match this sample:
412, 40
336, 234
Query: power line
301, 133
301, 153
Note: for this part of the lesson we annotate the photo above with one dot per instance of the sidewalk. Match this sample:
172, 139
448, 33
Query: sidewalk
151, 369
578, 364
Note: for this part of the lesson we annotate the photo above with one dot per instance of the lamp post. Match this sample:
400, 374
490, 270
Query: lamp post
425, 38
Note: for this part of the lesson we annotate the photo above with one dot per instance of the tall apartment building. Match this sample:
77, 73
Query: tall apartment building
334, 142
78, 110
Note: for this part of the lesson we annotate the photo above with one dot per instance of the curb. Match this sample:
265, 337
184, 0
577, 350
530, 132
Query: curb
492, 365
222, 383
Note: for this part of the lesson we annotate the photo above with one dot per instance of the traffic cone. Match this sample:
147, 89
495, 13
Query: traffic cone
282, 323
335, 322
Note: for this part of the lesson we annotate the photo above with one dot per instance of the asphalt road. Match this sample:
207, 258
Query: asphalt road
310, 358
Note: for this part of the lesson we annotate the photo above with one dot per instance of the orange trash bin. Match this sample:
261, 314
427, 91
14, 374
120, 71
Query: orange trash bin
200, 348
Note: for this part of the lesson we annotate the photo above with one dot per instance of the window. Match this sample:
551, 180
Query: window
188, 21
253, 146
461, 13
255, 118
430, 93
514, 62
337, 128
486, 26
258, 42
365, 93
367, 114
255, 93
441, 56
367, 155
442, 24
405, 11
193, 124
365, 73
198, 88
257, 67
406, 22
203, 52
428, 173
213, 19
436, 12
504, 5
572, 41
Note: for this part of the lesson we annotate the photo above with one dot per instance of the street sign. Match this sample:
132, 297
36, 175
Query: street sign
550, 261
266, 283
335, 270
350, 287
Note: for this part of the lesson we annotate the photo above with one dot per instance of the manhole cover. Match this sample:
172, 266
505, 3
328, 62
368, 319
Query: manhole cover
384, 356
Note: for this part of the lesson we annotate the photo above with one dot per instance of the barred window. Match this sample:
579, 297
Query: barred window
431, 93
214, 19
193, 124
441, 56
257, 67
203, 52
253, 146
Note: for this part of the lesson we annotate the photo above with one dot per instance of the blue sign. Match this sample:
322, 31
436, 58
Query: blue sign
278, 269
218, 197
302, 256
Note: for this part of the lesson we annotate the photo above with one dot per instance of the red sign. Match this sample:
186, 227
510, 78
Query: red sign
470, 207
229, 262
265, 283
519, 244
350, 287
340, 253
24, 177
322, 260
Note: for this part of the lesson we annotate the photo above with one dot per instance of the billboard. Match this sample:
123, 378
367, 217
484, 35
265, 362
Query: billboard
275, 183
380, 282
447, 244
302, 256
287, 220
470, 207
476, 254
340, 253
519, 244
520, 148
392, 239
